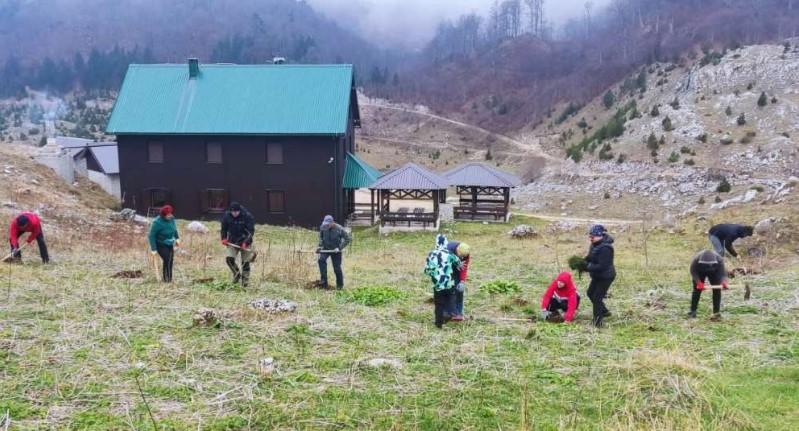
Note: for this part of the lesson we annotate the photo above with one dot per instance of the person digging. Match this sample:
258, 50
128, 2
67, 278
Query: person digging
722, 236
332, 241
560, 297
440, 267
460, 273
708, 266
238, 233
164, 238
29, 223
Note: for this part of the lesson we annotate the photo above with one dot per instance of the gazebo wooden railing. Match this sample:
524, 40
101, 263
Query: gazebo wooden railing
475, 202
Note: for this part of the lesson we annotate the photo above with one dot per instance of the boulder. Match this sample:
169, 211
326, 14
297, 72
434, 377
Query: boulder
523, 231
273, 305
765, 226
197, 227
384, 363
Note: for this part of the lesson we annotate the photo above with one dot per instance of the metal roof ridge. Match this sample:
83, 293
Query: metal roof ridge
232, 65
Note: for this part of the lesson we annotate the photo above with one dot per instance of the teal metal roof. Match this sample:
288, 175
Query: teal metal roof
234, 99
359, 174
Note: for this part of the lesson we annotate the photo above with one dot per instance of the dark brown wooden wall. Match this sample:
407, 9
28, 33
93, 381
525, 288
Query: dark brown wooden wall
312, 185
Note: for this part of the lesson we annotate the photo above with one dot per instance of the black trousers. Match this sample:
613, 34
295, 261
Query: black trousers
42, 249
443, 302
597, 291
698, 293
168, 257
556, 304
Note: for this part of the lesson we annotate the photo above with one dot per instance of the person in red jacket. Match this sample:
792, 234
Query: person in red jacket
560, 296
27, 222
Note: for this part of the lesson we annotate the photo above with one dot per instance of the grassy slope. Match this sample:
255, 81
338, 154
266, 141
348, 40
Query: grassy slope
71, 338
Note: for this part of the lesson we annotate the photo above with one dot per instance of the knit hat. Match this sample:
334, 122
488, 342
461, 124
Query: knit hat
22, 220
597, 230
166, 210
463, 249
235, 206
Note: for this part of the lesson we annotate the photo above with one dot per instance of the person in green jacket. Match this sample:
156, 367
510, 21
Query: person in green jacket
164, 238
440, 267
332, 240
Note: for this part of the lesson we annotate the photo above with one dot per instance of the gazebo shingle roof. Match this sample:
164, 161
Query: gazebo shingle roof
481, 175
411, 177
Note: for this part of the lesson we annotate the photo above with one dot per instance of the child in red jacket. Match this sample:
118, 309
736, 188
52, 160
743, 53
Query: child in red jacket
560, 296
27, 222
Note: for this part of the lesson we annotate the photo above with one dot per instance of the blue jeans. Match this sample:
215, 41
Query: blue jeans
336, 258
718, 246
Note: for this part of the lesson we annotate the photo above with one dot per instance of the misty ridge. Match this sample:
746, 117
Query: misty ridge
501, 64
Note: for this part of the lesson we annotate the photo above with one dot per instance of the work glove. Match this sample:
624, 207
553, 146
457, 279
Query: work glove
244, 245
700, 285
460, 287
225, 242
15, 251
725, 285
545, 314
337, 250
318, 250
177, 243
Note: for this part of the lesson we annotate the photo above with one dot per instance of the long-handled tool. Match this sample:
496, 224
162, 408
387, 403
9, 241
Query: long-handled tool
10, 256
251, 250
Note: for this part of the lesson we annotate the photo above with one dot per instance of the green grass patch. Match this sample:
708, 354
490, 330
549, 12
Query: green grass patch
373, 296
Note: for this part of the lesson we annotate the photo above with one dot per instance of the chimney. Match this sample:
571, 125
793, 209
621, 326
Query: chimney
194, 68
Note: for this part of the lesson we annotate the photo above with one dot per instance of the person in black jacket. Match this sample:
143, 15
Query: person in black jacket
603, 272
708, 265
723, 235
238, 233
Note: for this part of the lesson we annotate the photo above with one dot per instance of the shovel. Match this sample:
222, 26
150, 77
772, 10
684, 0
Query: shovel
253, 251
10, 256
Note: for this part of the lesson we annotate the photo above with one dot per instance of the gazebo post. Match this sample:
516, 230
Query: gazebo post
474, 201
435, 205
372, 206
506, 195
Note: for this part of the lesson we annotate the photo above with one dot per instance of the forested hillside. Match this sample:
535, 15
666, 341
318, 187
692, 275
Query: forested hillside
60, 45
504, 71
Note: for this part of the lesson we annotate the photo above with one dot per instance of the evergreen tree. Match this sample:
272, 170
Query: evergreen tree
609, 99
763, 100
655, 111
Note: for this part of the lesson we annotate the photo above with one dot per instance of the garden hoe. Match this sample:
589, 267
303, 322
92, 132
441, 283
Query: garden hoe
10, 256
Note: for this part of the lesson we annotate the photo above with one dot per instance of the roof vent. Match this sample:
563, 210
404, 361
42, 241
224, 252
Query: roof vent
279, 60
194, 68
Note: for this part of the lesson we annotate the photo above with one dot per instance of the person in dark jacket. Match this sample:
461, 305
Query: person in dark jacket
332, 241
460, 274
163, 239
708, 266
723, 235
601, 269
30, 223
238, 233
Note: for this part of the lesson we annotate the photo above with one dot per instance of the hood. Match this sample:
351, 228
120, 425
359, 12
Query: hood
607, 240
565, 277
441, 242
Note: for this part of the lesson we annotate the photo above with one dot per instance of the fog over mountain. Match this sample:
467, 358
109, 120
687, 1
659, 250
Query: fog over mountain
411, 23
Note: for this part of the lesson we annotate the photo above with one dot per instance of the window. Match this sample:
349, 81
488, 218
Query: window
274, 153
213, 152
276, 201
215, 200
158, 197
155, 152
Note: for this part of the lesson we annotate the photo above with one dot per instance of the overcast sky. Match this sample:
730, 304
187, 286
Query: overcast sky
411, 23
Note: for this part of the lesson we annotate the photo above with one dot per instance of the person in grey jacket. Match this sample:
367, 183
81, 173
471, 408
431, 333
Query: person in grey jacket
332, 241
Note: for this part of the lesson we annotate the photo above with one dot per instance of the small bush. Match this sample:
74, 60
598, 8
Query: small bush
606, 195
372, 296
762, 100
655, 111
741, 119
747, 139
609, 99
724, 186
675, 104
689, 162
221, 285
728, 111
717, 199
701, 201
702, 138
774, 100
667, 126
674, 157
685, 150
501, 287
652, 142
621, 159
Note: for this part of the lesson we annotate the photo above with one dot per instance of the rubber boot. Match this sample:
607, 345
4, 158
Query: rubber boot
245, 274
231, 263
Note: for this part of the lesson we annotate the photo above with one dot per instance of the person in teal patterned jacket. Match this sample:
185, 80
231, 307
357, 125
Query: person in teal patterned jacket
440, 267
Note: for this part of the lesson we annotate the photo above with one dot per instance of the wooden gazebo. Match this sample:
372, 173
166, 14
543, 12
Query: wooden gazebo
359, 175
483, 191
420, 192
